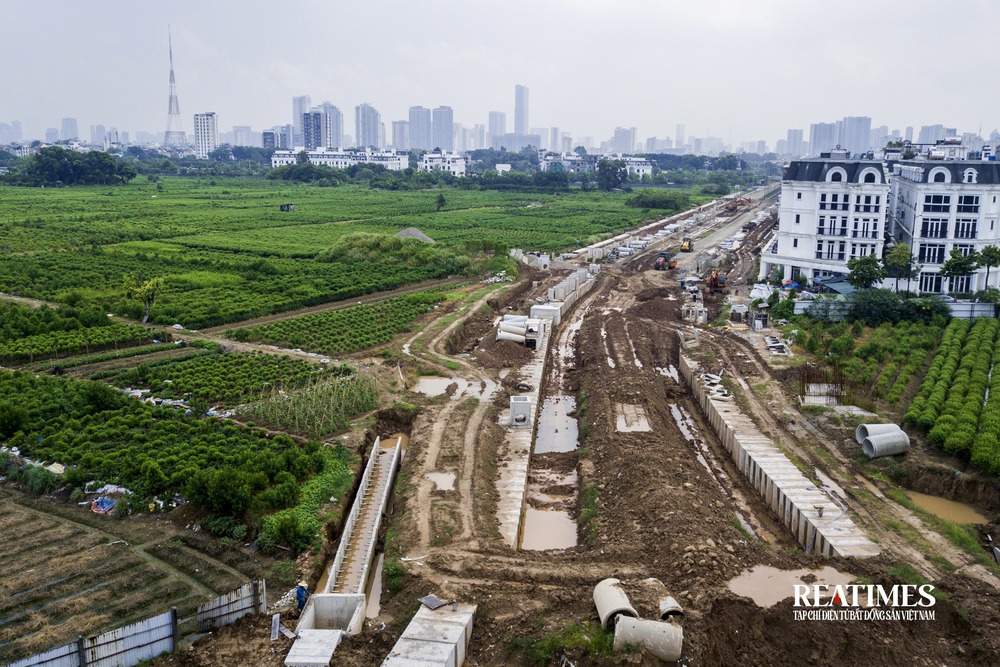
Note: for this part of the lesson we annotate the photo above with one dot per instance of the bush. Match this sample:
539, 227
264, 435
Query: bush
38, 479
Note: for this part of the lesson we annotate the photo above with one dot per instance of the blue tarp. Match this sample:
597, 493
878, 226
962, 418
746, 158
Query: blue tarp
103, 505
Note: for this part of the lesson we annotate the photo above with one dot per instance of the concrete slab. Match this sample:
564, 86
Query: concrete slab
434, 637
313, 648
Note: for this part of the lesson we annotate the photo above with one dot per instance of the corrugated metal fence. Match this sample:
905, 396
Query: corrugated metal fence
250, 598
128, 645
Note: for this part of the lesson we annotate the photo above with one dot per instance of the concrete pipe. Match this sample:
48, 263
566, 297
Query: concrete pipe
669, 607
505, 335
662, 640
514, 327
886, 444
612, 602
865, 430
514, 318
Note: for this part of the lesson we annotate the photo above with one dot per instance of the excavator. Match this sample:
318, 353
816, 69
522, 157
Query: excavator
716, 281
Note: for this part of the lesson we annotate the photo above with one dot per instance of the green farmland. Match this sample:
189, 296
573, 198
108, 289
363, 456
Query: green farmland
227, 253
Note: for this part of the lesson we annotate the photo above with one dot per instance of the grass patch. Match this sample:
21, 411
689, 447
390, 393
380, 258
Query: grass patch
284, 572
594, 640
905, 573
747, 534
590, 502
816, 409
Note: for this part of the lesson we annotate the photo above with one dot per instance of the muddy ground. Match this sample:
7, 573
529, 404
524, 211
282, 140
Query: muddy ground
666, 504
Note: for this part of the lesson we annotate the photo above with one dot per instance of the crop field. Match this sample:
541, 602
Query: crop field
959, 399
226, 253
227, 469
63, 579
885, 362
345, 330
225, 379
30, 334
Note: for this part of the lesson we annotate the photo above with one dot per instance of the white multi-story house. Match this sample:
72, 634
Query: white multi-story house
832, 210
452, 162
936, 206
343, 159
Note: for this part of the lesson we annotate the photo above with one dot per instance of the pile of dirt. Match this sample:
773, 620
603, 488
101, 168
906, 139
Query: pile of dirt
502, 354
470, 333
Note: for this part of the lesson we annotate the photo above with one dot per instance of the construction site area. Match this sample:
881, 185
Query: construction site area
594, 423
608, 462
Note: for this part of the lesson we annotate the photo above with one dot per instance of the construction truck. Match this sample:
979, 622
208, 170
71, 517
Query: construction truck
716, 282
687, 245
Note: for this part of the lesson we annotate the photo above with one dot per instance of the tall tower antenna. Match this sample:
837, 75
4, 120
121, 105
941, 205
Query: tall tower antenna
175, 135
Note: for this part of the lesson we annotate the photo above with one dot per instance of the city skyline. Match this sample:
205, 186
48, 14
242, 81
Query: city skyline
739, 87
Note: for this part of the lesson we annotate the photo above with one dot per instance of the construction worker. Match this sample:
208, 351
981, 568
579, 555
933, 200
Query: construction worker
302, 594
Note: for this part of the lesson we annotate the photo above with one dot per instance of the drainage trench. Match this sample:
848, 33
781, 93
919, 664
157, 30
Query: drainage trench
553, 483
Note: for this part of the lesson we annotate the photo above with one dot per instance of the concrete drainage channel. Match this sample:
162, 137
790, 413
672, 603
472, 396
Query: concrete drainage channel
534, 505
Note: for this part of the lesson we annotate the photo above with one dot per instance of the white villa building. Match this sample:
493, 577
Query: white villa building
832, 210
938, 206
452, 162
342, 159
835, 209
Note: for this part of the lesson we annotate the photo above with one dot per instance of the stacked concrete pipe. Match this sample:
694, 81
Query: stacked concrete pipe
882, 440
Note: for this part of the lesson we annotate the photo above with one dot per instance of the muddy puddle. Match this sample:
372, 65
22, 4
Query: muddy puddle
443, 481
373, 591
455, 387
557, 430
767, 586
548, 529
947, 509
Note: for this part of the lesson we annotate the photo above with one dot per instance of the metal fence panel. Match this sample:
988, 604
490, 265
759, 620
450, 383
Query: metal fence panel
63, 656
130, 644
250, 598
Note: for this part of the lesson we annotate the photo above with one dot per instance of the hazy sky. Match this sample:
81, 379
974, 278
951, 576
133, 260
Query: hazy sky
738, 69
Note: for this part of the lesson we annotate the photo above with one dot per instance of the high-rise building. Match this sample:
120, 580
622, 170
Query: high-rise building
242, 135
70, 130
51, 135
270, 139
879, 136
443, 133
478, 136
931, 134
312, 129
368, 127
822, 137
679, 138
623, 141
206, 133
401, 135
333, 126
300, 105
421, 136
855, 134
498, 124
793, 145
97, 135
554, 139
175, 135
521, 110
908, 136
